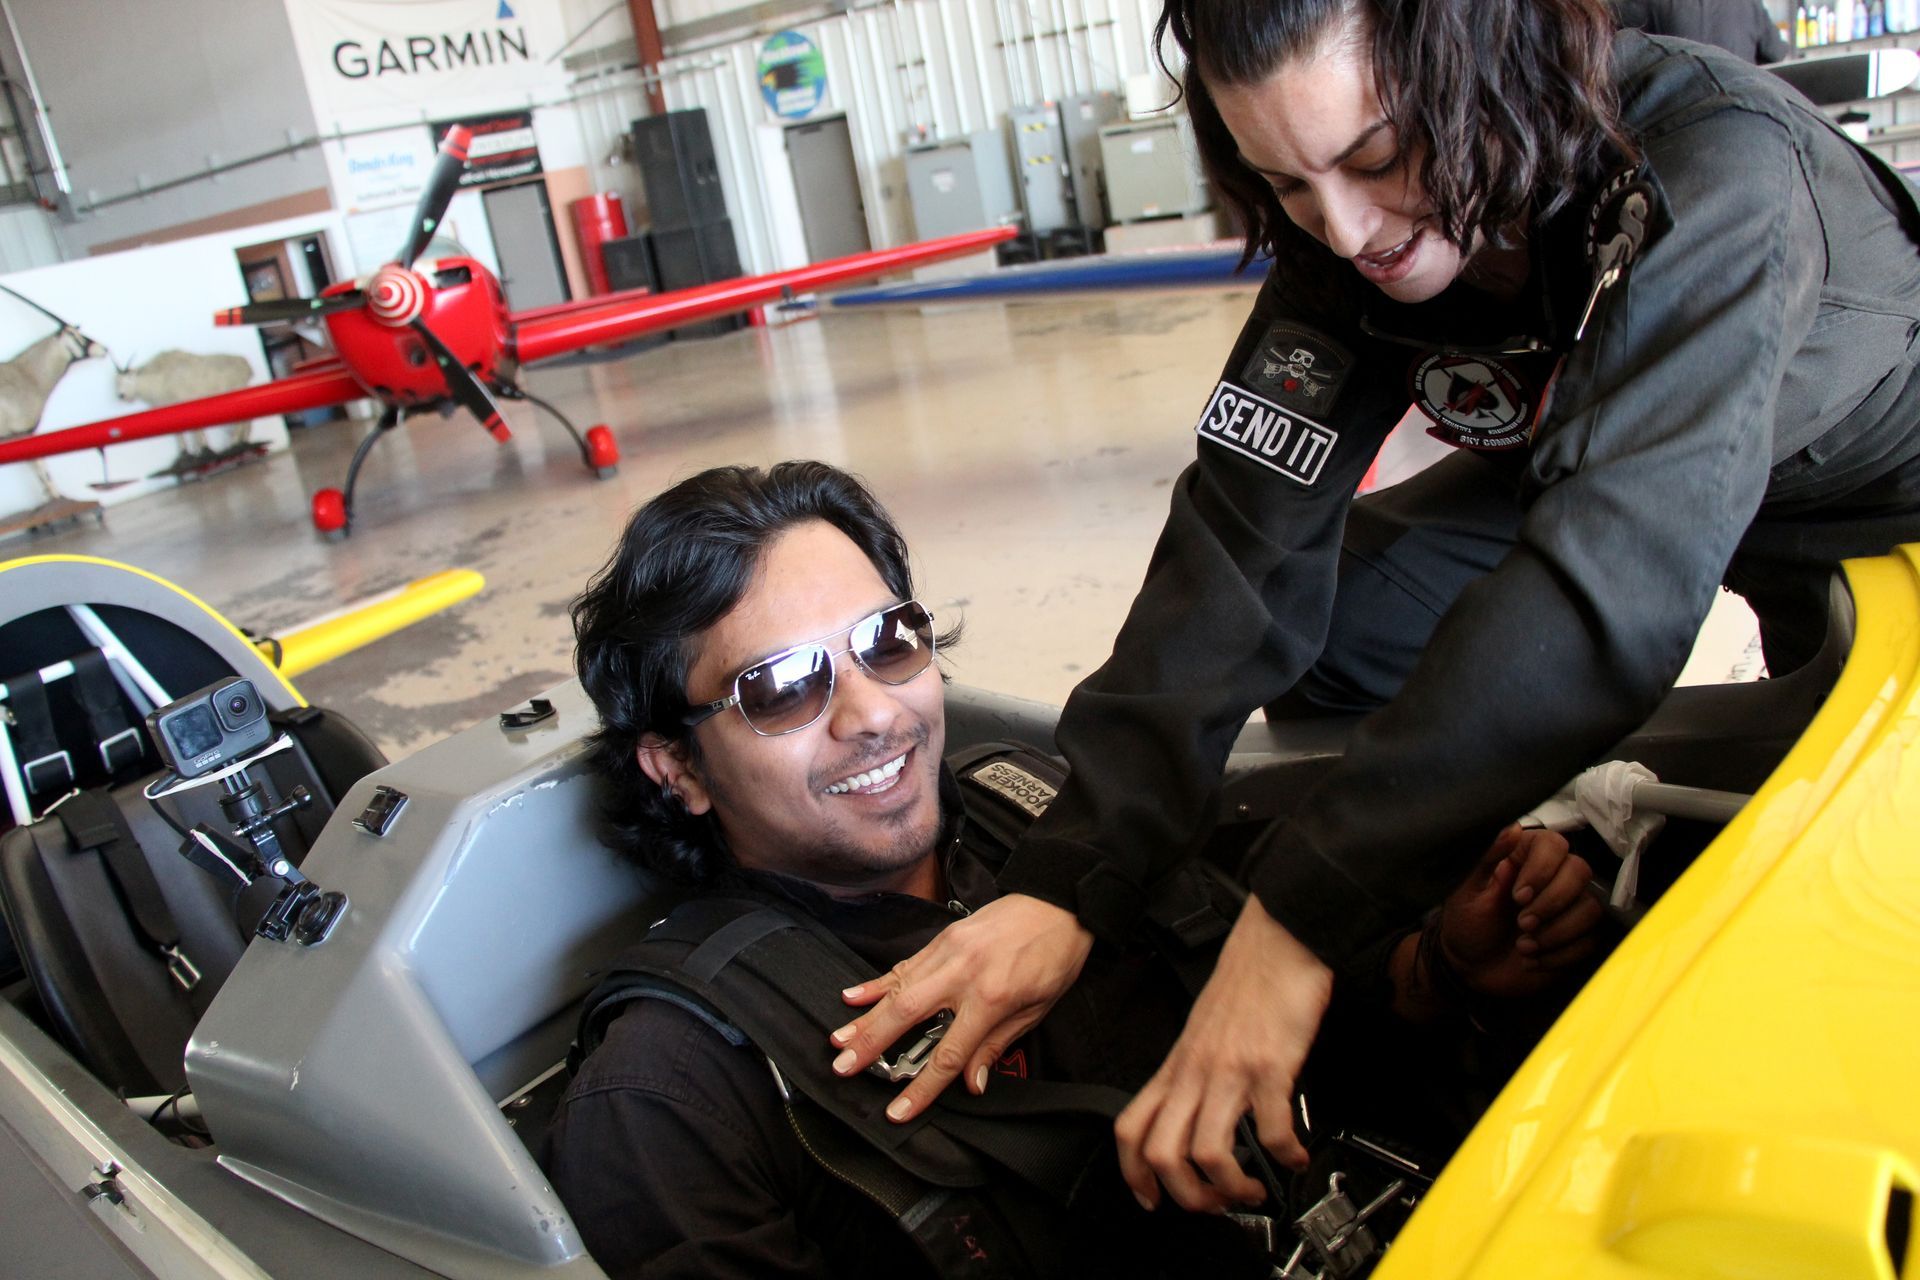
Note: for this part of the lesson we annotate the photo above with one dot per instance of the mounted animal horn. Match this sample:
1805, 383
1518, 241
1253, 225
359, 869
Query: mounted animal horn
42, 310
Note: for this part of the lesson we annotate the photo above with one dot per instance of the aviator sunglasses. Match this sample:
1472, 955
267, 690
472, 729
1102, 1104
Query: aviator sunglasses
790, 690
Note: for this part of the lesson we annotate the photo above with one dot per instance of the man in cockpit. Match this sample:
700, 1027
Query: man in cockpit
772, 736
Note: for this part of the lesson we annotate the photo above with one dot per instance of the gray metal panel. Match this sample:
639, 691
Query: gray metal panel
1081, 119
1040, 157
1153, 169
962, 185
65, 1240
341, 1077
827, 184
174, 1195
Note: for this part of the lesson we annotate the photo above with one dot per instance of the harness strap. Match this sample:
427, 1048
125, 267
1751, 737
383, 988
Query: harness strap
94, 823
154, 1015
721, 948
953, 1229
45, 768
118, 742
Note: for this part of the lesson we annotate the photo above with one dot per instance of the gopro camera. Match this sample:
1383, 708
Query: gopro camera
210, 727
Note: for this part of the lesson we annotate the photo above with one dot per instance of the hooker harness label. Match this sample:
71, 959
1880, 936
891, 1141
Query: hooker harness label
1016, 785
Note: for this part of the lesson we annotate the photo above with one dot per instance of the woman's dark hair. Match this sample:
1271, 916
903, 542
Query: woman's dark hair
1512, 100
682, 564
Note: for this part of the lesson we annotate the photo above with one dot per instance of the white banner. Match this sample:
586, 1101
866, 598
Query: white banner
370, 62
374, 170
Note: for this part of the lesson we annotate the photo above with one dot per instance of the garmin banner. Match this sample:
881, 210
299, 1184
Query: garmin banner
372, 62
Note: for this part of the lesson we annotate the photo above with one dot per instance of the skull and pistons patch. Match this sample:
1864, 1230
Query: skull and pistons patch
1297, 369
1475, 402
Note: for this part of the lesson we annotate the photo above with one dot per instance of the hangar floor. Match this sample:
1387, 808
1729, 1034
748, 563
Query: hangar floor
1026, 450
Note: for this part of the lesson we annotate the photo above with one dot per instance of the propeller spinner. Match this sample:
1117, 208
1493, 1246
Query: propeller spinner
396, 296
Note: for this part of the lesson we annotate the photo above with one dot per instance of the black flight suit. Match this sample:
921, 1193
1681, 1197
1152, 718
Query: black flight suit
676, 1160
1739, 409
1741, 27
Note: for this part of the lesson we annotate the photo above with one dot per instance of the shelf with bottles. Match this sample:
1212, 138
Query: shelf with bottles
1824, 26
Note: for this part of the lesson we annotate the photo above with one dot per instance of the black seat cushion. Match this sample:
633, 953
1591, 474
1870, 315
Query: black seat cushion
113, 1000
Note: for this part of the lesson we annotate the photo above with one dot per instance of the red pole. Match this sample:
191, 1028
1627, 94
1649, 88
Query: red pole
646, 36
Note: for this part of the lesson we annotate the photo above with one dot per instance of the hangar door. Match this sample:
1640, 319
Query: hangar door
832, 214
526, 246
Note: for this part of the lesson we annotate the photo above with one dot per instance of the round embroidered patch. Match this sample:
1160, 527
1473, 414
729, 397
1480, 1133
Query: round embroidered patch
1477, 402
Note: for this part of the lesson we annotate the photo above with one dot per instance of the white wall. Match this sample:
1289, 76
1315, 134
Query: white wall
139, 90
138, 303
920, 69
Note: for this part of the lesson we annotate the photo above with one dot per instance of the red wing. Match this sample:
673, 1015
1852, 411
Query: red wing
324, 383
545, 332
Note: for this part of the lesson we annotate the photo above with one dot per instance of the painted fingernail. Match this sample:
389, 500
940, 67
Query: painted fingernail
843, 1035
852, 993
843, 1063
980, 1078
900, 1108
1144, 1202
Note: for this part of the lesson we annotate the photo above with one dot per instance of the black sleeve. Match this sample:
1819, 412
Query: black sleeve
674, 1160
1771, 46
1234, 608
1651, 463
1633, 13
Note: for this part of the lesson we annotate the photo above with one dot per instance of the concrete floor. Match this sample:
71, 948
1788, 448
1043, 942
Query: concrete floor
1025, 449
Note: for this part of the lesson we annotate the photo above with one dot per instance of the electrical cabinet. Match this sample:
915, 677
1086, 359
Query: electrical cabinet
1081, 120
965, 184
1153, 169
1040, 157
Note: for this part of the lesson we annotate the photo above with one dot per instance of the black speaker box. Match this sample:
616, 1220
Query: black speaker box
685, 257
629, 263
678, 169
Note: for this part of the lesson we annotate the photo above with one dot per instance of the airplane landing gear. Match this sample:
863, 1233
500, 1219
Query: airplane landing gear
330, 514
333, 508
598, 449
603, 455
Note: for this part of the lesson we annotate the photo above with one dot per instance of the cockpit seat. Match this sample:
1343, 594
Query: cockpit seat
125, 942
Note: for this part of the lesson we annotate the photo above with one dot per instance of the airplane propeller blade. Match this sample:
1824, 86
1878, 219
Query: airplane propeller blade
288, 310
441, 183
472, 395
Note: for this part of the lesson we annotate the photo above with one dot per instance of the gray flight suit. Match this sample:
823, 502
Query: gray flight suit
1738, 406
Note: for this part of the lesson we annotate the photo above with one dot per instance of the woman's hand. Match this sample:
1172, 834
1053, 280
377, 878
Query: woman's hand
1523, 915
1241, 1051
1000, 970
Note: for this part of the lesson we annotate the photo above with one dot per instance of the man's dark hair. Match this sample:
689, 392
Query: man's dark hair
682, 564
1512, 100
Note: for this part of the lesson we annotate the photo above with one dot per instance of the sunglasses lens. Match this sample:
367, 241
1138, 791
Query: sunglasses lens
897, 645
787, 693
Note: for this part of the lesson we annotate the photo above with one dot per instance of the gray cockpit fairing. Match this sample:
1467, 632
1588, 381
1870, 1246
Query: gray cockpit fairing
362, 1079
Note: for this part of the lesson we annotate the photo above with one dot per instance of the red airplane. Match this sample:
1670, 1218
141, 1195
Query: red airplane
438, 333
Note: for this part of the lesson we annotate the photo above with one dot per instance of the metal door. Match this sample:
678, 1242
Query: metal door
832, 214
521, 223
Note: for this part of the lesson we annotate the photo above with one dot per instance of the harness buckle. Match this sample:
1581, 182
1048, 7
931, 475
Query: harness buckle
61, 758
907, 1065
184, 971
130, 736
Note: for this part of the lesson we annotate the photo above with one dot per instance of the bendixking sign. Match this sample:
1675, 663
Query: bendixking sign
372, 62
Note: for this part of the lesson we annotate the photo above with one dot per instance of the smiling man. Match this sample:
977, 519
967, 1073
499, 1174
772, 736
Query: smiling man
772, 732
